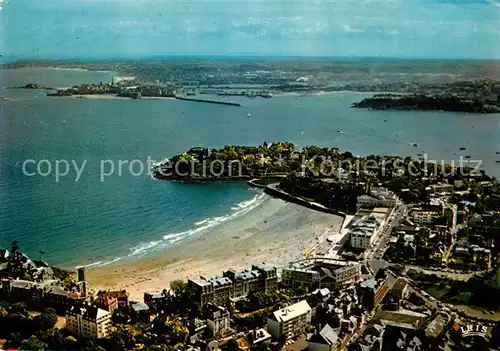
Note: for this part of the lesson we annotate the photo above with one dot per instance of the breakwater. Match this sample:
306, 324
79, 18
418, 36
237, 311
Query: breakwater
209, 101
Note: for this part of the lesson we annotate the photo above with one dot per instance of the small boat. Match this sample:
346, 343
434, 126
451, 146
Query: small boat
467, 157
414, 144
497, 153
497, 161
339, 131
249, 115
385, 120
462, 148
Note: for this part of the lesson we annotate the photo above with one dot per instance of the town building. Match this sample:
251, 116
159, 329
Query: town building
87, 321
324, 340
106, 302
372, 292
364, 231
399, 288
218, 319
442, 189
425, 217
140, 312
232, 284
321, 273
258, 337
290, 321
379, 197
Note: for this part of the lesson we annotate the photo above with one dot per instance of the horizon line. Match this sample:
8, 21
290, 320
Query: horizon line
8, 59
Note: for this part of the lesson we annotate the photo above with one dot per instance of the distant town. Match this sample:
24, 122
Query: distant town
423, 85
414, 266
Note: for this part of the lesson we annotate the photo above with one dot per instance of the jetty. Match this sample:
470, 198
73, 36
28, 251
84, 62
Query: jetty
208, 101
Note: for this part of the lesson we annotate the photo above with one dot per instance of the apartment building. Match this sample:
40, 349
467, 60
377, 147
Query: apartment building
290, 321
87, 321
232, 284
321, 273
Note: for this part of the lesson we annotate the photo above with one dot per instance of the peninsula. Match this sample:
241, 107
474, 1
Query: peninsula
451, 103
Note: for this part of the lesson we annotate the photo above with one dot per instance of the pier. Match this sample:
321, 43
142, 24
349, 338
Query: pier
209, 101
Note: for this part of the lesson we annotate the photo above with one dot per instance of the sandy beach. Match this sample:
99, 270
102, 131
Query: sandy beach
275, 232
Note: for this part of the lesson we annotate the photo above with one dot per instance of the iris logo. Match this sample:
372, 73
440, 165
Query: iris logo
471, 330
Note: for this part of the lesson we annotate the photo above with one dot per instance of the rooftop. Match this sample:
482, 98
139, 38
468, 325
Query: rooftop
291, 312
400, 284
327, 336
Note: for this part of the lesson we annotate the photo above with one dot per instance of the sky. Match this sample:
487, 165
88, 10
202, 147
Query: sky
342, 28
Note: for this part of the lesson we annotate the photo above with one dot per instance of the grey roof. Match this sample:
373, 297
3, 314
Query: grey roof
138, 307
326, 336
57, 290
370, 283
218, 281
23, 284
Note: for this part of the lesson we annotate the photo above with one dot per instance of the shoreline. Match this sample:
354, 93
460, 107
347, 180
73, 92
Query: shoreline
275, 232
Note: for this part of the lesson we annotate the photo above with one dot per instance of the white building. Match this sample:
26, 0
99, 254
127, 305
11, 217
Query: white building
87, 321
425, 217
365, 230
290, 321
379, 197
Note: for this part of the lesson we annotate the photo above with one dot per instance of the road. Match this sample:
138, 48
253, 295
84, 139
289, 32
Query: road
374, 255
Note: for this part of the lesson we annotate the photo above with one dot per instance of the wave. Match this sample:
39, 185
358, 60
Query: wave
137, 250
99, 263
200, 227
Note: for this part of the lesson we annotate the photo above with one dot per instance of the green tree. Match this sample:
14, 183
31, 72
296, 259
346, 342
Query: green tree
47, 319
178, 286
33, 343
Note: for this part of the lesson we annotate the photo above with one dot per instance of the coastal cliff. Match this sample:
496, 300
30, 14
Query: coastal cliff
429, 102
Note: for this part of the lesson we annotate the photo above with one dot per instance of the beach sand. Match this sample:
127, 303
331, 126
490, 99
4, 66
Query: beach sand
275, 232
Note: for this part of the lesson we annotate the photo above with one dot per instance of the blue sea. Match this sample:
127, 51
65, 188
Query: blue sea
128, 215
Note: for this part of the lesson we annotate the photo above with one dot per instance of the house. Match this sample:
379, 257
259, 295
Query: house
56, 297
121, 296
290, 321
87, 321
140, 312
325, 340
258, 337
106, 301
218, 319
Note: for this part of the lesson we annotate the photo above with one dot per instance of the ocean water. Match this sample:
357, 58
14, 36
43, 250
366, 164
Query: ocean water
127, 215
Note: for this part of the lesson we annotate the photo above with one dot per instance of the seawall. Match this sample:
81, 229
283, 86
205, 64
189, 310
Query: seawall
272, 190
